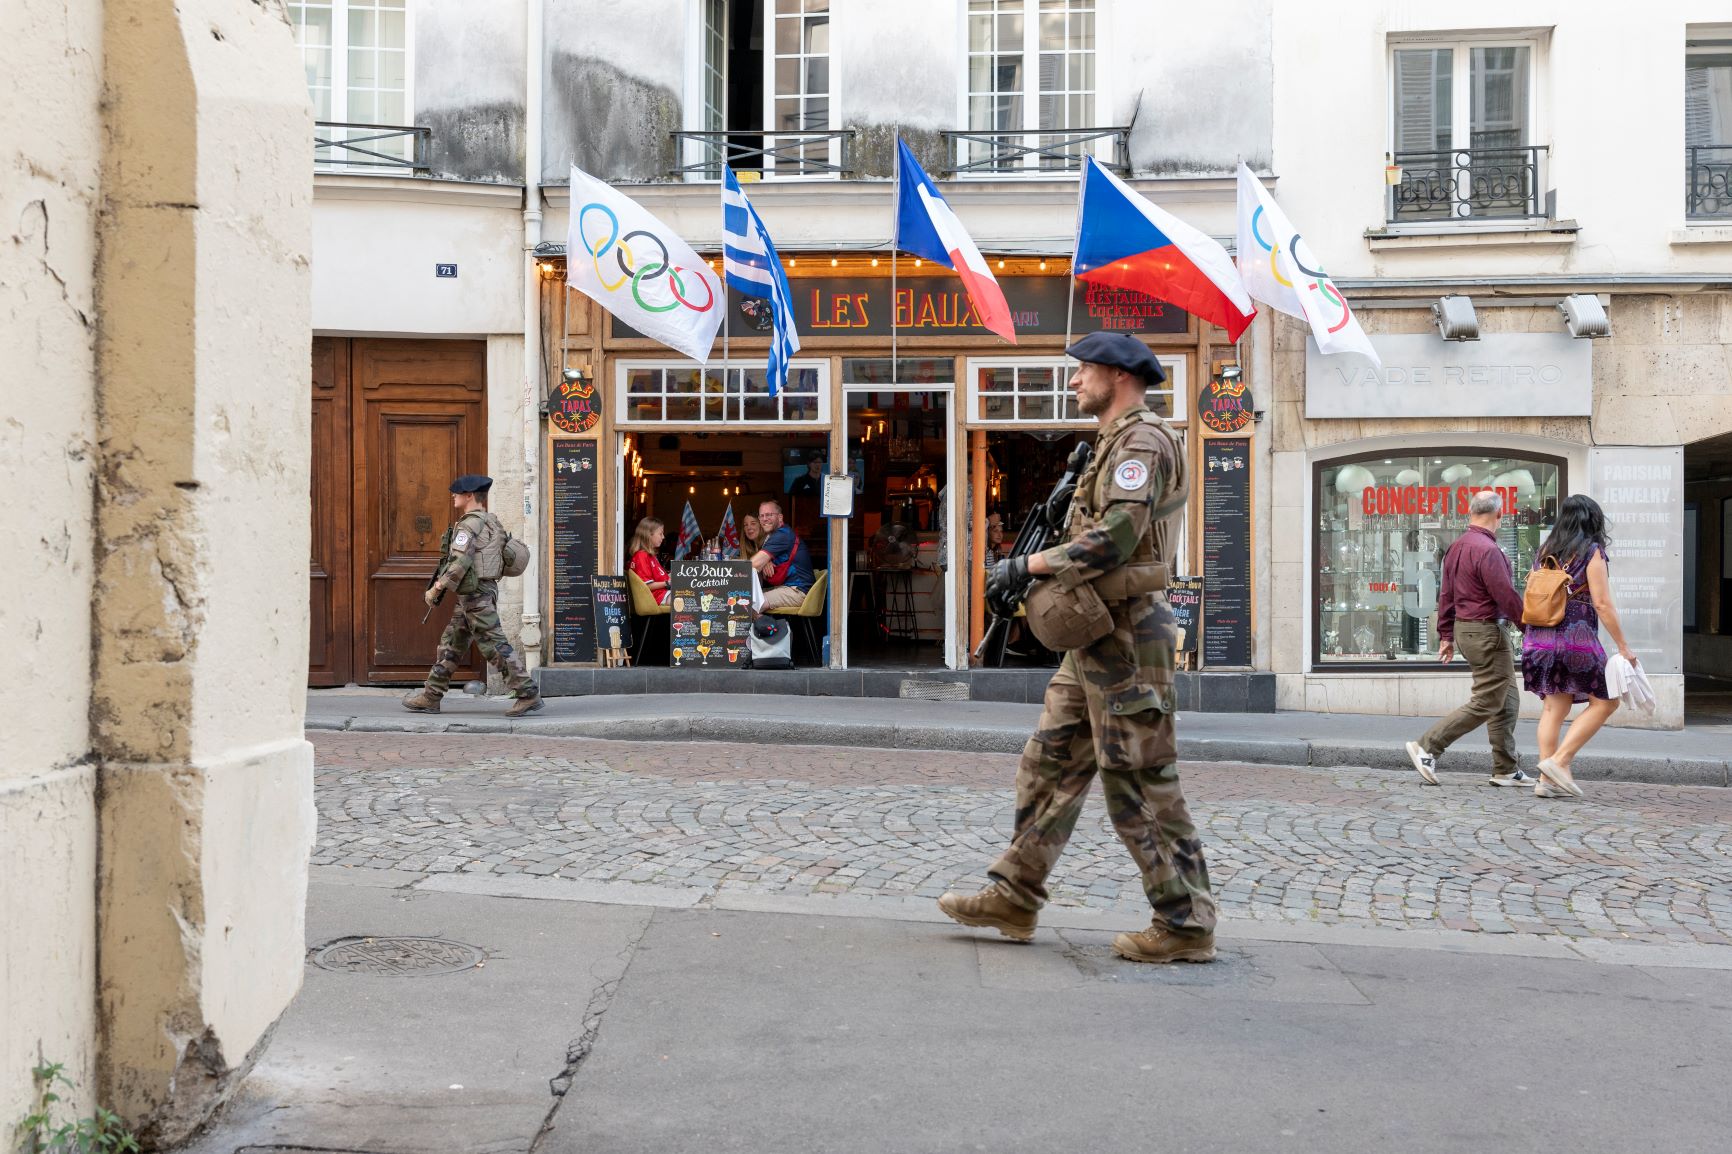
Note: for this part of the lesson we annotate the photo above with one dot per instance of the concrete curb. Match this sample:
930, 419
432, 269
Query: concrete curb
1649, 769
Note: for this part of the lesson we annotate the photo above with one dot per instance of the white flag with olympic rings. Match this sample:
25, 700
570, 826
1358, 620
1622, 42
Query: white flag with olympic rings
620, 256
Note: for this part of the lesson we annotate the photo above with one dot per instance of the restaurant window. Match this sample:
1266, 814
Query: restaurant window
1038, 389
1383, 525
1031, 78
1463, 132
657, 392
356, 57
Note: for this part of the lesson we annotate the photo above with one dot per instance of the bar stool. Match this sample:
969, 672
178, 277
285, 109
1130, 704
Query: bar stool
898, 620
862, 596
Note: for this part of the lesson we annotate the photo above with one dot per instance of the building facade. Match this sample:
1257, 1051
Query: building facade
1459, 156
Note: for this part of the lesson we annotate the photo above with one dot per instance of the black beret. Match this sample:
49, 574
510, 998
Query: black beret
472, 483
1121, 351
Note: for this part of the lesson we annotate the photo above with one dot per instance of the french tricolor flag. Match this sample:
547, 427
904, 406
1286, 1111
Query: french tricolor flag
926, 228
1124, 241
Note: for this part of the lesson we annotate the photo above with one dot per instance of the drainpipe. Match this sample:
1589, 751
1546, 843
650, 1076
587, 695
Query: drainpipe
531, 635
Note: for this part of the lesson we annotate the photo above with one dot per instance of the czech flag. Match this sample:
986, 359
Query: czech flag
1124, 241
926, 228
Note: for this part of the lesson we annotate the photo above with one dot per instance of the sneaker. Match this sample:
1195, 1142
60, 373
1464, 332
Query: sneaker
1544, 788
1423, 762
1516, 778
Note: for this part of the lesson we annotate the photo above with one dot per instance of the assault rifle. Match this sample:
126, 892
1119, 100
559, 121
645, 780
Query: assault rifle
1039, 529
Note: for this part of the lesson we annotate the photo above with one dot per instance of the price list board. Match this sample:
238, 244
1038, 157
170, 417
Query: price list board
711, 611
574, 517
612, 612
1185, 597
1227, 552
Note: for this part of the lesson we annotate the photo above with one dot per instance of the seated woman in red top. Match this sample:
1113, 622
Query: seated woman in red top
644, 543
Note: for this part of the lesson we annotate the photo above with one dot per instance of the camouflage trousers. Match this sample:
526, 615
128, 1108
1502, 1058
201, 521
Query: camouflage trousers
1135, 755
476, 620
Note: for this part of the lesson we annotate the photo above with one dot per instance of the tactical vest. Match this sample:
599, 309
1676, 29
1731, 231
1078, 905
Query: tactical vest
490, 548
1146, 569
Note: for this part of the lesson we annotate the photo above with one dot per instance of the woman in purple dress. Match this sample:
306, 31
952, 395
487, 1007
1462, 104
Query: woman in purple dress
1565, 664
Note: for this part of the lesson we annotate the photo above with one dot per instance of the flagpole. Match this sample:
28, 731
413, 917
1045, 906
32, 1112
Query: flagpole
1075, 241
895, 243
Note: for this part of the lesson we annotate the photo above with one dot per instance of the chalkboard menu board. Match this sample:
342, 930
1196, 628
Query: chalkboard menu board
1185, 595
574, 516
1227, 552
612, 612
711, 607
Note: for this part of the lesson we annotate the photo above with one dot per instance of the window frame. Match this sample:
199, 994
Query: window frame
833, 148
1031, 92
1174, 362
1716, 42
1314, 614
624, 420
1461, 105
340, 57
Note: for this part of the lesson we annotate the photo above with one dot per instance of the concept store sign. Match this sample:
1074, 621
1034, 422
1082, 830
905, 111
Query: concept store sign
1437, 500
1499, 375
926, 305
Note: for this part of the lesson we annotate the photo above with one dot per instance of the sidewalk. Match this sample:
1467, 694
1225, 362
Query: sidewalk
1699, 755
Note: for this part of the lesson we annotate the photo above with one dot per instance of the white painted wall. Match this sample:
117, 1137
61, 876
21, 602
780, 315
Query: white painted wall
376, 240
1611, 87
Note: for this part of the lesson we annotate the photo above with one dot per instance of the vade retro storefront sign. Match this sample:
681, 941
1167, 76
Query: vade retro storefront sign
1499, 375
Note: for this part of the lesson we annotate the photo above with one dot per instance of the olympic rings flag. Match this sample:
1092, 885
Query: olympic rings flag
620, 256
1279, 270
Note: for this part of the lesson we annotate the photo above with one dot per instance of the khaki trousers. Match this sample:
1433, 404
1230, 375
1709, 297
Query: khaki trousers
1496, 697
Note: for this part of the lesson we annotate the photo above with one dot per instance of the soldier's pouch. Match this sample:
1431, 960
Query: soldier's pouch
1065, 619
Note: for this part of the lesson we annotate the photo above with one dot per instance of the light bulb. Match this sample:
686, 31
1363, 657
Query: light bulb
874, 262
1000, 264
1043, 266
832, 262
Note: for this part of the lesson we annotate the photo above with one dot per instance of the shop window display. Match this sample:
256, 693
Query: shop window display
1383, 526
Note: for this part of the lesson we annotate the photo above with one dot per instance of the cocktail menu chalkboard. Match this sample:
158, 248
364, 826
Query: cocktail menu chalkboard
612, 612
1227, 552
1185, 595
711, 609
573, 517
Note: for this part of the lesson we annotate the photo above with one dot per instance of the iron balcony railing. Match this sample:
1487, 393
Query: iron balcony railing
1464, 183
349, 146
996, 153
773, 154
1708, 181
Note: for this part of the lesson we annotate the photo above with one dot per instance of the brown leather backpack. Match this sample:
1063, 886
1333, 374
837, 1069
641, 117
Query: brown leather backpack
1547, 592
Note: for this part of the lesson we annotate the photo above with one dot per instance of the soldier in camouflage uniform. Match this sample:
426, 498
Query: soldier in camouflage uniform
1110, 705
476, 617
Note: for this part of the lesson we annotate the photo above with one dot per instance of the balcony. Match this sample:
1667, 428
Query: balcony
1468, 184
771, 154
1708, 182
1006, 153
383, 147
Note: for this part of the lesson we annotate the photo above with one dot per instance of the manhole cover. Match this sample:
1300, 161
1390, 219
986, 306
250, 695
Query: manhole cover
408, 956
936, 690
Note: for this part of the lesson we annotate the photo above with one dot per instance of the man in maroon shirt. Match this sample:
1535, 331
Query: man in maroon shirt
1477, 592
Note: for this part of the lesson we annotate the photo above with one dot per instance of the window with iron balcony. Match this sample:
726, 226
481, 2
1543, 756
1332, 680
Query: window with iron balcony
1463, 133
356, 55
1708, 131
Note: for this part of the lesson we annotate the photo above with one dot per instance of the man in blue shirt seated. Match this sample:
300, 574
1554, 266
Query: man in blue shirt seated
784, 566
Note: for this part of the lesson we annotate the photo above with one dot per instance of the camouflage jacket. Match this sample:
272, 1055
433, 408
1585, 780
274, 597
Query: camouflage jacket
459, 562
1127, 502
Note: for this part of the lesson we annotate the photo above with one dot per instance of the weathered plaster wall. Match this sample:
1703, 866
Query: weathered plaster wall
615, 74
891, 81
50, 166
1198, 80
202, 546
469, 86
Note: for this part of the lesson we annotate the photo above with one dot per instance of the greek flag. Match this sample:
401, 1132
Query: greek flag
750, 264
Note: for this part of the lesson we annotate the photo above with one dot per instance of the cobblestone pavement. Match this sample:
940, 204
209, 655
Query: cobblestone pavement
1346, 846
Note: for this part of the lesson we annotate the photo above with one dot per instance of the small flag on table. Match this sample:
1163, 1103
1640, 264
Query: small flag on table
689, 534
729, 535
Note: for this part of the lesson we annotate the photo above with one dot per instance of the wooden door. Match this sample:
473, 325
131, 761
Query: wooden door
393, 422
420, 412
330, 658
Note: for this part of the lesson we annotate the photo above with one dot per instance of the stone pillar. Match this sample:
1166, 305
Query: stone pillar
50, 167
200, 601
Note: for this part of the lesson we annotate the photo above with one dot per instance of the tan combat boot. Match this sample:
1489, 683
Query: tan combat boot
992, 909
422, 702
1160, 944
524, 705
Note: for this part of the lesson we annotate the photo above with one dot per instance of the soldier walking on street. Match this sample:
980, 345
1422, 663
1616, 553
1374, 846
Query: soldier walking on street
471, 564
1101, 597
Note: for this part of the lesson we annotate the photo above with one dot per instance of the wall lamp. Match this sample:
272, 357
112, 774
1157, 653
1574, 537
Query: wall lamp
1455, 318
1585, 316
